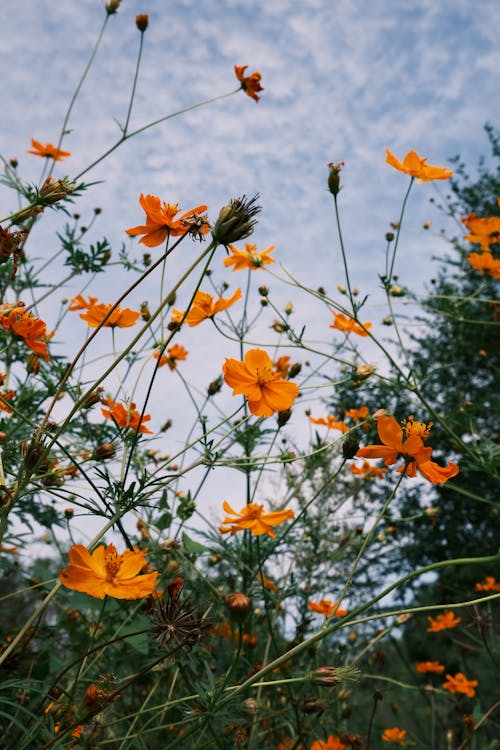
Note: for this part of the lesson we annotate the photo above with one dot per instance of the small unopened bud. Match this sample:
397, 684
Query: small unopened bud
294, 370
326, 676
145, 313
397, 291
69, 513
13, 163
215, 386
387, 321
251, 706
263, 291
146, 259
288, 308
350, 446
341, 288
112, 6
97, 210
104, 451
389, 236
284, 417
239, 606
142, 21
321, 290
334, 177
236, 220
364, 371
92, 399
33, 363
313, 705
166, 426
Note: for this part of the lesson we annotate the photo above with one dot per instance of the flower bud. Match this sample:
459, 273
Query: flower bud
326, 676
389, 236
112, 6
294, 370
236, 220
239, 606
215, 386
350, 446
53, 191
397, 291
142, 21
284, 417
251, 707
104, 451
92, 398
334, 177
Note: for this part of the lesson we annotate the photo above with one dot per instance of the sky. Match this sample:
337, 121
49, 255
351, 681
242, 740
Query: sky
342, 81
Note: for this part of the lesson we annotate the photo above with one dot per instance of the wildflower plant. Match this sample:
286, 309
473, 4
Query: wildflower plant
280, 609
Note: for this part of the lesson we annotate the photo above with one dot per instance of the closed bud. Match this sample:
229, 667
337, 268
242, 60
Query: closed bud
92, 398
13, 163
251, 707
389, 236
142, 21
387, 321
288, 308
341, 288
283, 417
314, 705
69, 513
33, 363
236, 220
294, 370
397, 291
104, 452
326, 676
334, 177
239, 606
263, 291
145, 313
215, 386
350, 446
112, 6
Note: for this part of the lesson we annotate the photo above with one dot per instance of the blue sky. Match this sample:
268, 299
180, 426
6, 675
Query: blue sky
343, 80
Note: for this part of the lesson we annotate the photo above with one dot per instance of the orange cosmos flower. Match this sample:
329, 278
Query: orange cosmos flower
47, 150
443, 621
266, 582
413, 450
357, 414
368, 470
126, 417
326, 608
256, 379
249, 257
175, 354
330, 422
96, 313
161, 222
204, 306
460, 684
332, 743
395, 735
429, 666
105, 572
250, 84
6, 396
486, 263
483, 231
490, 584
416, 166
24, 325
282, 366
348, 325
254, 518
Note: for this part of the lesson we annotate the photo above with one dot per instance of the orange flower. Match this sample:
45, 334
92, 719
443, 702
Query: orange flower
357, 414
416, 166
348, 325
483, 231
126, 417
47, 150
6, 396
489, 584
175, 354
368, 470
413, 450
460, 684
253, 517
32, 330
256, 379
204, 306
105, 572
330, 422
327, 608
96, 313
332, 743
429, 666
250, 84
249, 257
281, 366
443, 621
395, 735
486, 263
267, 583
161, 222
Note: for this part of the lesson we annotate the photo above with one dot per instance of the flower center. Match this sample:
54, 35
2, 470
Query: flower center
419, 429
265, 374
253, 510
112, 563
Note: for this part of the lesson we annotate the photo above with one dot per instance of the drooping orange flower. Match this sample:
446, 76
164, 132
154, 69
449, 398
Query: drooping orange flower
445, 620
429, 666
175, 353
368, 470
260, 383
490, 584
126, 416
484, 231
326, 608
416, 166
204, 306
348, 325
105, 572
413, 450
358, 414
161, 221
250, 84
331, 422
249, 257
486, 263
332, 743
97, 312
24, 325
253, 517
460, 684
395, 735
282, 366
47, 150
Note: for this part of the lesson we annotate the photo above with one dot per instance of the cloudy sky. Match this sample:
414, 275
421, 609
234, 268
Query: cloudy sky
343, 79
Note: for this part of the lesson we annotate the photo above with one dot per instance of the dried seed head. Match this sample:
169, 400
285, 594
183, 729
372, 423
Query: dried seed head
236, 220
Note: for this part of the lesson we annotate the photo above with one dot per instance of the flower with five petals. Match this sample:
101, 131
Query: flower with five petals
416, 166
253, 517
161, 221
250, 84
